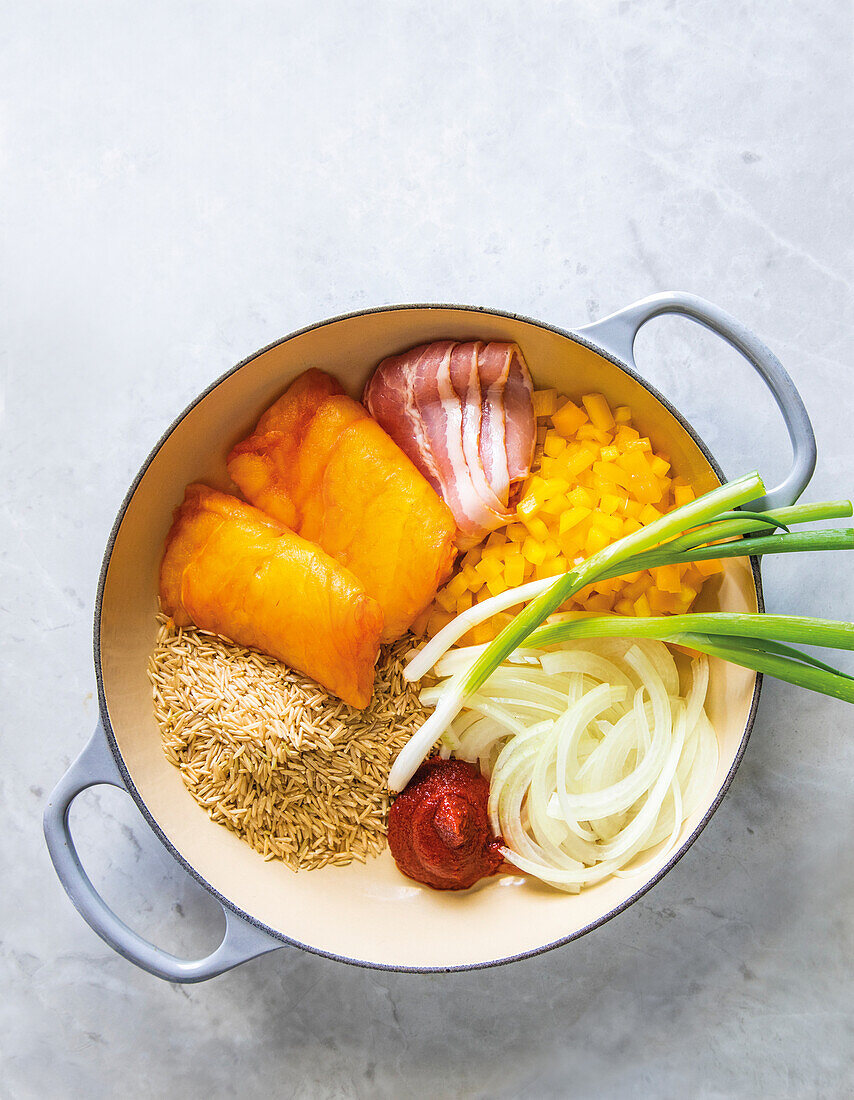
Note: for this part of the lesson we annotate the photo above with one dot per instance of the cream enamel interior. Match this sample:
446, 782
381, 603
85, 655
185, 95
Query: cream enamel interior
370, 913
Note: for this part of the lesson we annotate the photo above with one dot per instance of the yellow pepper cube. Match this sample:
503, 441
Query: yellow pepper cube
554, 506
709, 568
659, 602
642, 608
613, 525
446, 600
537, 528
464, 602
481, 633
649, 515
624, 607
472, 578
571, 517
624, 434
533, 551
579, 462
634, 462
623, 415
438, 620
581, 497
598, 410
456, 585
630, 525
496, 585
489, 569
597, 540
611, 471
514, 571
659, 466
682, 494
557, 485
669, 578
568, 419
646, 489
588, 432
610, 454
548, 568
529, 505
554, 444
494, 551
609, 503
517, 532
545, 402
599, 602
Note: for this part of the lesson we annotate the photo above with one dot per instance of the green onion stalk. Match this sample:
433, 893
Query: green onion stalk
680, 536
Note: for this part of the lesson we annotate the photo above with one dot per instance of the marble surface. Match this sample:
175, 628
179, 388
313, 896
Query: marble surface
181, 183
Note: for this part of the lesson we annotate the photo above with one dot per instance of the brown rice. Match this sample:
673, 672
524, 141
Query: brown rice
295, 772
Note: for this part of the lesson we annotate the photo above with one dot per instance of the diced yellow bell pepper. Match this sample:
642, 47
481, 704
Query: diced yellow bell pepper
496, 585
571, 517
623, 414
514, 571
489, 569
583, 459
649, 515
590, 432
533, 551
642, 608
580, 497
545, 402
598, 410
568, 419
554, 444
668, 578
597, 540
456, 586
537, 528
464, 602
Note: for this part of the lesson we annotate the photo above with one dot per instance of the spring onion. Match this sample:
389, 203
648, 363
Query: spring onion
678, 536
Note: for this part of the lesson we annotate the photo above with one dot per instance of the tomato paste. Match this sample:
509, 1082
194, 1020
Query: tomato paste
438, 828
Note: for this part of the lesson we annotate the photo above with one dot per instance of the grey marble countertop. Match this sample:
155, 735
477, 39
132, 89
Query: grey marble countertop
181, 183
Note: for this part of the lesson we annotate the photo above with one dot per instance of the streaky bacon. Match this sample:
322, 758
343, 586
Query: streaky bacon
465, 378
448, 406
521, 433
494, 367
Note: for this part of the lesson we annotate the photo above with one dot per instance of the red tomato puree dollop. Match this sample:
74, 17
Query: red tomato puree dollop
438, 828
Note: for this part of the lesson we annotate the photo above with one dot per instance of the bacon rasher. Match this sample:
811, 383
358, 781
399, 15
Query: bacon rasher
463, 413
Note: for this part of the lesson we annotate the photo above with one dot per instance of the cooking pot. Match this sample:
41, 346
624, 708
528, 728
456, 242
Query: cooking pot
370, 914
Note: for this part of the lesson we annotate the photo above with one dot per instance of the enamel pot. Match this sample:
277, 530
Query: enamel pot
371, 915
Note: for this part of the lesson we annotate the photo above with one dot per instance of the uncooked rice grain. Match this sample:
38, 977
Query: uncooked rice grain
295, 772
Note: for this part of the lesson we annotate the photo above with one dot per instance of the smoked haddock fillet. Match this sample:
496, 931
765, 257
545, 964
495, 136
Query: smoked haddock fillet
319, 463
231, 569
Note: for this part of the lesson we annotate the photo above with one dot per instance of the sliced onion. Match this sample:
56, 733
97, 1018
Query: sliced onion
596, 758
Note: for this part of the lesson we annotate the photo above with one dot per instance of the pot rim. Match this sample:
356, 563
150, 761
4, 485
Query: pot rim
113, 743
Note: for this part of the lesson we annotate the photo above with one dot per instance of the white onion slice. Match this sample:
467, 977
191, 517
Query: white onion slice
596, 757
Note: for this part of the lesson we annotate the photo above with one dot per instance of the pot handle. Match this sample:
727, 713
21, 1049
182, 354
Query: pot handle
617, 333
242, 940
